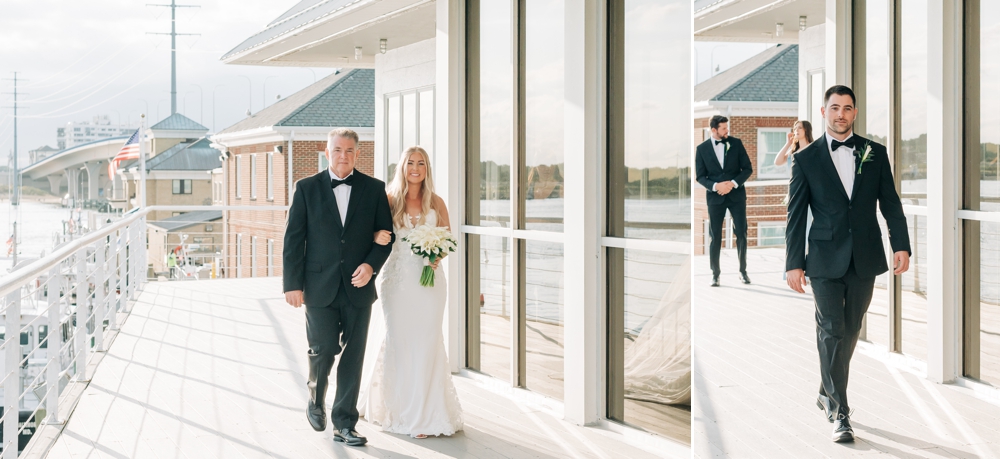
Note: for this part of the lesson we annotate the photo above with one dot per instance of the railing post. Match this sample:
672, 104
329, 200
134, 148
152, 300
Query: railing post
54, 346
112, 266
122, 274
135, 256
82, 292
99, 310
12, 385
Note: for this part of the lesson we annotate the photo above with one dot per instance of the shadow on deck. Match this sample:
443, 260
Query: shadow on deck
218, 369
757, 373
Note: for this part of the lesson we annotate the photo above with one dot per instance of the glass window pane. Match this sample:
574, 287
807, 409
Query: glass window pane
426, 139
494, 260
769, 144
989, 301
914, 296
875, 105
392, 132
657, 342
653, 199
912, 169
544, 96
543, 291
495, 116
409, 120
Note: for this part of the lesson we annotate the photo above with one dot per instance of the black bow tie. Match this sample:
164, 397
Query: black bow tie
719, 141
847, 143
334, 183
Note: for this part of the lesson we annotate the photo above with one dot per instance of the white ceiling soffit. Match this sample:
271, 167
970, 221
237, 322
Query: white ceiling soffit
331, 41
755, 20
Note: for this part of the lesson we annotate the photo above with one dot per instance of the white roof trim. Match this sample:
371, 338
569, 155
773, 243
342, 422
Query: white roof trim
707, 109
283, 133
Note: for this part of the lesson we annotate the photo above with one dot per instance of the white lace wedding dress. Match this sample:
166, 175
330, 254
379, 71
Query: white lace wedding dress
406, 384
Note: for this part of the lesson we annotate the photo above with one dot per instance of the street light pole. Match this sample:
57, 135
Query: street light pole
263, 93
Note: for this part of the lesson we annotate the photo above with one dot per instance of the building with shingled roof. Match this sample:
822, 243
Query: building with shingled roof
760, 96
256, 171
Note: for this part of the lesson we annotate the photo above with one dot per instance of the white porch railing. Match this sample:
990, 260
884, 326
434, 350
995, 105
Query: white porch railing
57, 311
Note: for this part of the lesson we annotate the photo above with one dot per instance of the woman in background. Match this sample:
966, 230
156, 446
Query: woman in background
799, 138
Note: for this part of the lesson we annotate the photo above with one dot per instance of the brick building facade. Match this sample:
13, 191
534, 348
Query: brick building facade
256, 170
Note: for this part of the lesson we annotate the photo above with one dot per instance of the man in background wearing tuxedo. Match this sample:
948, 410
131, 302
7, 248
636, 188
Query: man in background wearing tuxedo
844, 178
722, 166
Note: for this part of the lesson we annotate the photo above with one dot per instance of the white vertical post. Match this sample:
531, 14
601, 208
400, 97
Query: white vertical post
449, 156
134, 257
54, 345
944, 144
112, 270
99, 308
122, 274
142, 160
12, 385
583, 142
82, 311
838, 42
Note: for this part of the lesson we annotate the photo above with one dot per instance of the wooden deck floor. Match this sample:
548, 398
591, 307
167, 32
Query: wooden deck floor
218, 369
756, 376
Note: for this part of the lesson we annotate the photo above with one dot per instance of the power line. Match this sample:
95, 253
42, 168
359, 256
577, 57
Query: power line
173, 48
15, 197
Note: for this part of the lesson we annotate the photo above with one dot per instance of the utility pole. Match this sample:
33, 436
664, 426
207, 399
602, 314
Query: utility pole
173, 48
15, 179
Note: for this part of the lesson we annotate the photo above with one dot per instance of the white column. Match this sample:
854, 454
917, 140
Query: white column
944, 147
55, 180
838, 42
449, 160
93, 179
584, 136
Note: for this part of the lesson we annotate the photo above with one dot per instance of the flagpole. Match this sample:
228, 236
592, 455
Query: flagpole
142, 159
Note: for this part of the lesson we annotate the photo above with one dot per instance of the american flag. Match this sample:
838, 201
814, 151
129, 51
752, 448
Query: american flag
129, 151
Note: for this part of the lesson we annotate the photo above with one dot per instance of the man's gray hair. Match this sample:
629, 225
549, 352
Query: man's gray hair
341, 132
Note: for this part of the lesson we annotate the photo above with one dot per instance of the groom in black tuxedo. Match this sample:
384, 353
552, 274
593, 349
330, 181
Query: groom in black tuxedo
722, 166
843, 178
330, 263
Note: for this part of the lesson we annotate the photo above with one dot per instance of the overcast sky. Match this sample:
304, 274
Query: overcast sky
91, 58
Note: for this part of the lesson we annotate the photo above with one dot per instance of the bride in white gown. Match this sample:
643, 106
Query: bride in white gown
406, 383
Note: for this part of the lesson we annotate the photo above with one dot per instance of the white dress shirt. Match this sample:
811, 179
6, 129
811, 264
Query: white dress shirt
343, 195
843, 160
720, 154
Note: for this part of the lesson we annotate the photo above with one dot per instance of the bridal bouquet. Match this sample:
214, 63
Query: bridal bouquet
431, 243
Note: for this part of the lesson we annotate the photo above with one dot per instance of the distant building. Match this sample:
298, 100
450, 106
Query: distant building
760, 98
39, 154
256, 171
80, 132
178, 171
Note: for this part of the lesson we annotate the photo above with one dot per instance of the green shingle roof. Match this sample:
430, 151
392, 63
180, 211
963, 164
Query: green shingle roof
339, 100
771, 76
178, 122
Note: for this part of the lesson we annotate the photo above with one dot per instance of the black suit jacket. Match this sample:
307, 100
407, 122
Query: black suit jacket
319, 252
709, 172
842, 228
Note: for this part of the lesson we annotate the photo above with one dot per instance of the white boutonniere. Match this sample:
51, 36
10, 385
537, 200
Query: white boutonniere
725, 147
866, 156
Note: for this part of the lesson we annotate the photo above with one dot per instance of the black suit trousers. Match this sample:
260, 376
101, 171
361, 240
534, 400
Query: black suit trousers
841, 305
340, 328
716, 216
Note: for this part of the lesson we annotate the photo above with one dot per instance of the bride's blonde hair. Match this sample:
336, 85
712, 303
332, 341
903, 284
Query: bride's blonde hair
399, 186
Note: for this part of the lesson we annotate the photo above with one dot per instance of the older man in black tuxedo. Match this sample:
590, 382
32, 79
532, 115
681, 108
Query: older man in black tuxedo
722, 166
330, 263
845, 179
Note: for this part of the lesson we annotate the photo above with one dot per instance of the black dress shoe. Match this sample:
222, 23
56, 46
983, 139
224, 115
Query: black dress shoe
715, 281
823, 405
317, 416
744, 278
842, 431
350, 437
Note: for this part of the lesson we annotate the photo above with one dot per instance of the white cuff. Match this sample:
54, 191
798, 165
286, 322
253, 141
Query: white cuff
735, 185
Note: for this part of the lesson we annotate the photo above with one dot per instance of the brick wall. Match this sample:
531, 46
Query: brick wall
764, 203
270, 225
